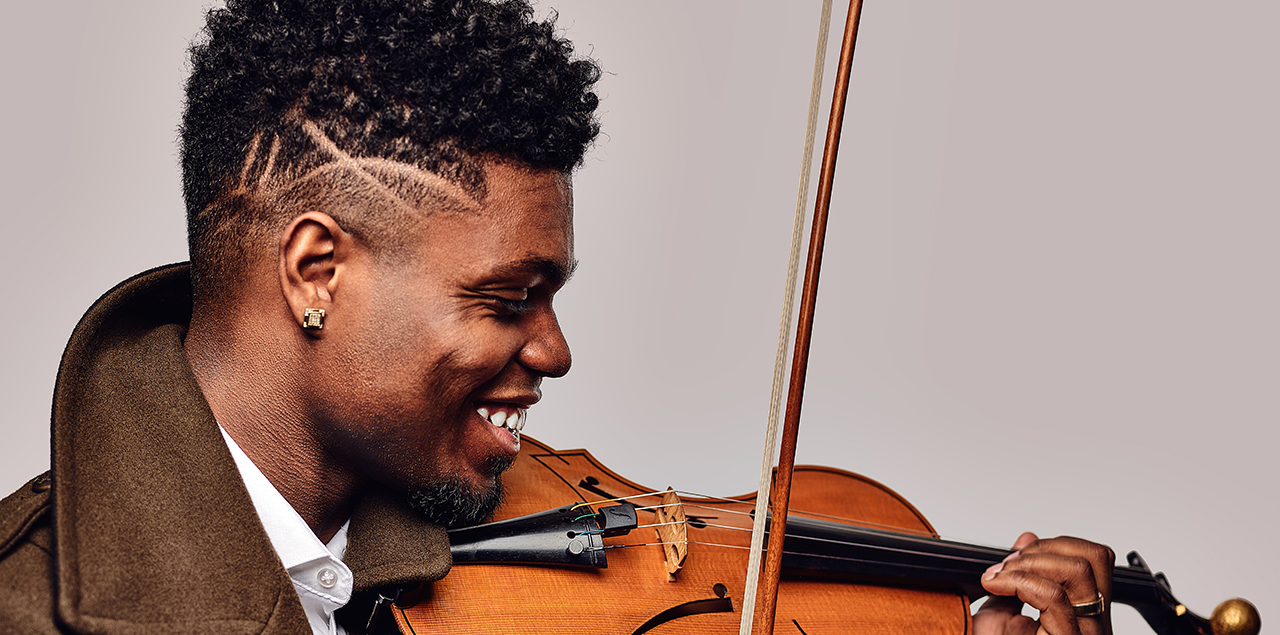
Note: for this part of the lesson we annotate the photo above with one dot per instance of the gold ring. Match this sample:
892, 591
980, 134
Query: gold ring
1090, 609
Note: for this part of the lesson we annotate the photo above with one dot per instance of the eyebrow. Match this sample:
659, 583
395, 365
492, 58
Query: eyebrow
549, 269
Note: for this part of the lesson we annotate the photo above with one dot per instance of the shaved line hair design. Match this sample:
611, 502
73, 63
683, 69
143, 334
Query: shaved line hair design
374, 199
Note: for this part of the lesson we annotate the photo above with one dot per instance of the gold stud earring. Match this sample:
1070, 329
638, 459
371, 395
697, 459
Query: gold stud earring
313, 319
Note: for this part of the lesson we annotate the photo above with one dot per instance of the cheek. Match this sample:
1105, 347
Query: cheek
421, 350
420, 360
474, 356
383, 355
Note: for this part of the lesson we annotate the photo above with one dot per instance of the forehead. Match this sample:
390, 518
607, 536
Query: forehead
523, 225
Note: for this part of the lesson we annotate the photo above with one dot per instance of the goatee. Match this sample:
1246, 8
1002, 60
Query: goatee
455, 503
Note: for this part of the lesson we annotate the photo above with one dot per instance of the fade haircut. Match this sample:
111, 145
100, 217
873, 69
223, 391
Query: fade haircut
328, 102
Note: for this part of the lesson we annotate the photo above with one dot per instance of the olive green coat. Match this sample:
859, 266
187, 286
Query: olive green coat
145, 525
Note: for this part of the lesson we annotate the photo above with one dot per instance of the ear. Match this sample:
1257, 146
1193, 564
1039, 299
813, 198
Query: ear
314, 252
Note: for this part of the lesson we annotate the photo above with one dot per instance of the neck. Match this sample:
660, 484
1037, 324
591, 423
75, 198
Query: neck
247, 382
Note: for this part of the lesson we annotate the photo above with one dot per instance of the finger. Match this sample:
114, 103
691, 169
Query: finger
1100, 557
1048, 596
1002, 616
1072, 575
1075, 574
1025, 539
1000, 607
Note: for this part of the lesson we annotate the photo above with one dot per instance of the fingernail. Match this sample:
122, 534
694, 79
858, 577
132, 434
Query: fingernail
993, 570
1011, 556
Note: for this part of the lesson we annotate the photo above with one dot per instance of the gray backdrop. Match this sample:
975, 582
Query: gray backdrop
1049, 299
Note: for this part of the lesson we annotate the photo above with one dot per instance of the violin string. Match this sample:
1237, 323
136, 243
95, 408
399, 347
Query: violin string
892, 549
658, 493
643, 544
616, 500
729, 527
845, 520
831, 541
792, 553
840, 519
983, 559
1132, 579
674, 522
850, 543
716, 544
1127, 574
1124, 574
904, 532
673, 542
929, 567
653, 507
722, 510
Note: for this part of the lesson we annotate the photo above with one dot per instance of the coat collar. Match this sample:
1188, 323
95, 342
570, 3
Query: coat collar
154, 530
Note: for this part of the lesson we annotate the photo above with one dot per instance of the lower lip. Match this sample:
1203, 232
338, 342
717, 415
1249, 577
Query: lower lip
509, 442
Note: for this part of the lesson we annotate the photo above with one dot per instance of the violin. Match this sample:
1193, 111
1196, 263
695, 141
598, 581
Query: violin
857, 558
854, 557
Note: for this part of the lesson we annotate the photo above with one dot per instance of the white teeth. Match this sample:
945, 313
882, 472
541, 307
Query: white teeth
513, 422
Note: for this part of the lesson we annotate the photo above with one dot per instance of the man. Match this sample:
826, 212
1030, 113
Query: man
380, 214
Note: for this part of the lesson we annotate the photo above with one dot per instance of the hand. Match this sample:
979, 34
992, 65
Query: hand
1050, 575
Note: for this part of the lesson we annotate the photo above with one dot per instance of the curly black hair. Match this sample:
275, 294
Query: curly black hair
438, 84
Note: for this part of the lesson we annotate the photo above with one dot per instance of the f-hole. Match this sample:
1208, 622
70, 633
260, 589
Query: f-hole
591, 484
719, 604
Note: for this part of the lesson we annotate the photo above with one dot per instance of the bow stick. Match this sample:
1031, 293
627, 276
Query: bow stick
780, 493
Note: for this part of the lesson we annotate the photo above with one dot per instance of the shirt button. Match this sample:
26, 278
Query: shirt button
327, 577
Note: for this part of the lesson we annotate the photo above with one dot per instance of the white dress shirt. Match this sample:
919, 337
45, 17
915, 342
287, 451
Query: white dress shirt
321, 579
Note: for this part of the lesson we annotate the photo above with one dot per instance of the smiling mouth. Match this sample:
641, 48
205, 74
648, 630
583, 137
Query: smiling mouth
508, 418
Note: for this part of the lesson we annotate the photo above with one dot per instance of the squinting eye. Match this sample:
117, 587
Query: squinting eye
515, 307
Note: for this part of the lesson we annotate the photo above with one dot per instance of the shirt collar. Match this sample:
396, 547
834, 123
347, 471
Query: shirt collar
323, 582
293, 540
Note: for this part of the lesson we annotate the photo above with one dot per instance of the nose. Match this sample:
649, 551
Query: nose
546, 352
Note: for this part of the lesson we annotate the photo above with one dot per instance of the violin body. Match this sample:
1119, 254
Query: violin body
635, 594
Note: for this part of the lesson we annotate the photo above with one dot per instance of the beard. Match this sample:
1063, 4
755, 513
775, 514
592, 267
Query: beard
455, 503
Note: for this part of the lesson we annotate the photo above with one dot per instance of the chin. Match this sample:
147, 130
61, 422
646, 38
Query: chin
456, 502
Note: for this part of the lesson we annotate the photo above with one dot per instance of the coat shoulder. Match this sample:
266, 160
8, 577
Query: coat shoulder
26, 560
22, 511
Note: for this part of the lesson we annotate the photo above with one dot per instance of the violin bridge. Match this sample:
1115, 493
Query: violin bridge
672, 528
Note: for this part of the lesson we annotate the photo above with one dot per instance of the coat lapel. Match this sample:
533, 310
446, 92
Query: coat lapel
154, 529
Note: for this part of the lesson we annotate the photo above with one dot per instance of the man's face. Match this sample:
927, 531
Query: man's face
427, 352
